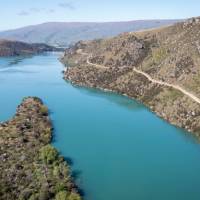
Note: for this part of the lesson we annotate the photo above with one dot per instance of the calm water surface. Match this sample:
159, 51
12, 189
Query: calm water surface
118, 149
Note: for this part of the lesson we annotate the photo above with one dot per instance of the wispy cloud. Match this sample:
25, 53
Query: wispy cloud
31, 11
51, 11
65, 5
68, 5
35, 10
23, 13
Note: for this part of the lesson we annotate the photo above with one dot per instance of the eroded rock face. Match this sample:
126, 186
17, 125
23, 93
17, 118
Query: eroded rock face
169, 54
30, 168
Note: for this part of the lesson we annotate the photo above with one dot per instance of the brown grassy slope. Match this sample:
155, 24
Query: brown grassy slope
174, 54
170, 54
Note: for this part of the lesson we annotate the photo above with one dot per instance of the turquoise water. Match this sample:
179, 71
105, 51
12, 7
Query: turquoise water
117, 147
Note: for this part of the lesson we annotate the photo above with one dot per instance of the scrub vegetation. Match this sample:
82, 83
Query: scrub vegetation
31, 168
169, 55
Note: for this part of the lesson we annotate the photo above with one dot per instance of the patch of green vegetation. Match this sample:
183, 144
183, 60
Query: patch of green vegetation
44, 110
26, 155
63, 195
194, 84
174, 94
148, 63
74, 196
48, 154
159, 55
70, 63
170, 95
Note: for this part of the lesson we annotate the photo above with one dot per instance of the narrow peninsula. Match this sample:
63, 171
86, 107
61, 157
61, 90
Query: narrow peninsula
31, 168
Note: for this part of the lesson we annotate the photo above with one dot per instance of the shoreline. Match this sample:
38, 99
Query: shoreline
28, 157
150, 108
161, 72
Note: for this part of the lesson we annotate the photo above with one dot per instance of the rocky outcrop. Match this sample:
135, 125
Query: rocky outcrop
30, 168
16, 48
169, 54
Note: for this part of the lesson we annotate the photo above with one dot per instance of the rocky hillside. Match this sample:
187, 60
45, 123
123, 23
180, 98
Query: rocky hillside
66, 33
16, 48
170, 55
30, 168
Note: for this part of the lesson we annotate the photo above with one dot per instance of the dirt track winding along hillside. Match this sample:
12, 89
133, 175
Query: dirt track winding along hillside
159, 67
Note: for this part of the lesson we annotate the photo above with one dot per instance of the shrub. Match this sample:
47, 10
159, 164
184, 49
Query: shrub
44, 194
26, 194
60, 186
62, 195
48, 154
34, 196
159, 55
74, 196
44, 110
62, 169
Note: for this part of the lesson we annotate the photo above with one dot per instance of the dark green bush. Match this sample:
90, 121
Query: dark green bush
44, 110
48, 154
62, 195
74, 196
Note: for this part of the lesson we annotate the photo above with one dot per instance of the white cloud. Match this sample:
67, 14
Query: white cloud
23, 13
68, 5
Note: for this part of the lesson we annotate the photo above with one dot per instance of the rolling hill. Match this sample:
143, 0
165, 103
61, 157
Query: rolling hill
65, 33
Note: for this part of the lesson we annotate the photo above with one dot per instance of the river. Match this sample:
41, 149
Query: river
117, 148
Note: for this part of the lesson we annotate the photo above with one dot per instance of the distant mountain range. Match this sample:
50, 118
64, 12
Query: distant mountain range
65, 33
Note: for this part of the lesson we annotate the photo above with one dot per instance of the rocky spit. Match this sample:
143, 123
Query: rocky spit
30, 168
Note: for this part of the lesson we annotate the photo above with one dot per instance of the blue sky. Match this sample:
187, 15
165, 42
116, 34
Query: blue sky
18, 13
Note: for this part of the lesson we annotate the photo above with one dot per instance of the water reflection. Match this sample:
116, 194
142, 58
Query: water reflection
17, 60
130, 104
112, 97
10, 62
17, 71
